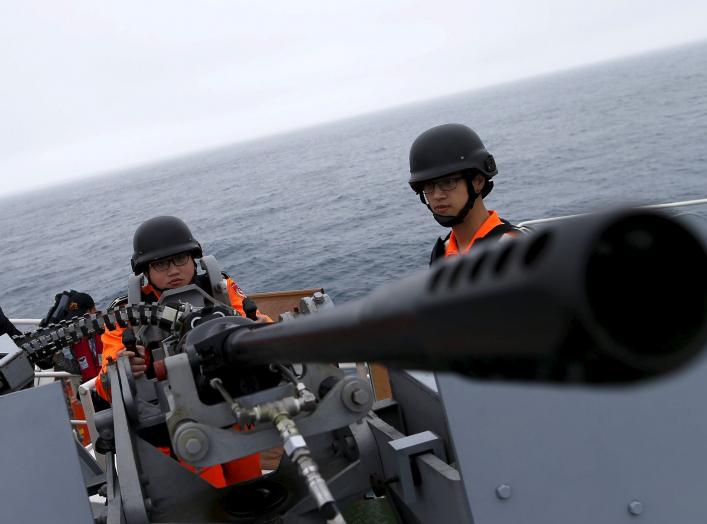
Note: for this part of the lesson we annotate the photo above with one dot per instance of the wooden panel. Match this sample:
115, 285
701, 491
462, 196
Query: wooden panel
381, 382
275, 303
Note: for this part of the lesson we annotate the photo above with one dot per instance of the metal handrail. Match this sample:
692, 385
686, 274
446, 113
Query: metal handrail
90, 414
55, 374
26, 324
26, 320
700, 201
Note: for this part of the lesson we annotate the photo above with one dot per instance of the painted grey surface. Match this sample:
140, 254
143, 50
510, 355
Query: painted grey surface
40, 474
579, 455
7, 346
426, 378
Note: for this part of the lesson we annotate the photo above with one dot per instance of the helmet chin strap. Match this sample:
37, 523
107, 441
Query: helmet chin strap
453, 220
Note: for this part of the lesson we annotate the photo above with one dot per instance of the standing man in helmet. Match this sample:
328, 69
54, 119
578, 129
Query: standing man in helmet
451, 171
164, 253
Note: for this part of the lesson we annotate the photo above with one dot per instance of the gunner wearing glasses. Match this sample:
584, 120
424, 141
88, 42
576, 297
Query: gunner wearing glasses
451, 171
165, 253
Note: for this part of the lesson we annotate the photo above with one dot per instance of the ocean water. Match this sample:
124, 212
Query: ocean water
330, 206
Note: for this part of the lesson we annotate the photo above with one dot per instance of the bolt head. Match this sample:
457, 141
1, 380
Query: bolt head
193, 446
503, 491
635, 507
360, 397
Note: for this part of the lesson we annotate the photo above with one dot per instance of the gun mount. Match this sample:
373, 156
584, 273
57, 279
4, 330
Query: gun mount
578, 303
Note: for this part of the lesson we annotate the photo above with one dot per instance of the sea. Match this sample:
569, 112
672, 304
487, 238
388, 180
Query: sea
330, 207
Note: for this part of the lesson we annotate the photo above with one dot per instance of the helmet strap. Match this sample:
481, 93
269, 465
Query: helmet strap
454, 220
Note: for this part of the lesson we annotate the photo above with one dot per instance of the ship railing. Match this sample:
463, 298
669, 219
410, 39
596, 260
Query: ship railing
86, 398
667, 205
26, 324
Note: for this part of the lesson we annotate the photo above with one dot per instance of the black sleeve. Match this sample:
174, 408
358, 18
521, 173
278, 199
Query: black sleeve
7, 327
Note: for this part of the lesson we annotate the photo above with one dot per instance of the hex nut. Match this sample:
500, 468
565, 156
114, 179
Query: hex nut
360, 397
294, 443
355, 394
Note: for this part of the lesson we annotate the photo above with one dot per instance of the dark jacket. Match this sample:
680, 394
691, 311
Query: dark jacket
7, 327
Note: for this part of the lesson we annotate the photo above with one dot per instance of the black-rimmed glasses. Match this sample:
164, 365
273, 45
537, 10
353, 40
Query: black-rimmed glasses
444, 184
163, 264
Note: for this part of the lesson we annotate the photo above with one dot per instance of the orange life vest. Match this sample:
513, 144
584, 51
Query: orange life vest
494, 227
219, 475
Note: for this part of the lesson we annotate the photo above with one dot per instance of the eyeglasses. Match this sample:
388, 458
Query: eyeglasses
162, 265
443, 184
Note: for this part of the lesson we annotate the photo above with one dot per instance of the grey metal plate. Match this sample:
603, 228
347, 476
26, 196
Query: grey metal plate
579, 455
7, 346
40, 474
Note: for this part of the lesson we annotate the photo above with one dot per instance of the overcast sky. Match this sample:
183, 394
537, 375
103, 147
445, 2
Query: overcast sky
88, 87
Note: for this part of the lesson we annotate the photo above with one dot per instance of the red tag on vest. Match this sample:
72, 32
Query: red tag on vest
237, 290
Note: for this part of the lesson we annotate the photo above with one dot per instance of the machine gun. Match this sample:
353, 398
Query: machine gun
582, 303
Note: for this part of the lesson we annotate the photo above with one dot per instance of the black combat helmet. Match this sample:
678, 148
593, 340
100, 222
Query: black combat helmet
161, 237
447, 149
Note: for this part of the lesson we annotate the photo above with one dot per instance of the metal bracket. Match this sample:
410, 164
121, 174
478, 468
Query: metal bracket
131, 494
439, 495
195, 425
16, 371
317, 302
405, 449
216, 281
134, 289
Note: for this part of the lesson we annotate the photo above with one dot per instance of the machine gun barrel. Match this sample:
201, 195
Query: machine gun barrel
607, 298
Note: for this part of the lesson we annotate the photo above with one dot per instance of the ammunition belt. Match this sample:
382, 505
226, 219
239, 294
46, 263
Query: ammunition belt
45, 341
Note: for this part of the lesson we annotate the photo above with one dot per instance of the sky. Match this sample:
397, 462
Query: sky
90, 87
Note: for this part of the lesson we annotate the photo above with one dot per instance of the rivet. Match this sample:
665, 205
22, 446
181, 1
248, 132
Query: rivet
635, 507
503, 491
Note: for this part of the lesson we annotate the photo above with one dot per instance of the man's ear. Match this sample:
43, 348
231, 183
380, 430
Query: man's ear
478, 182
